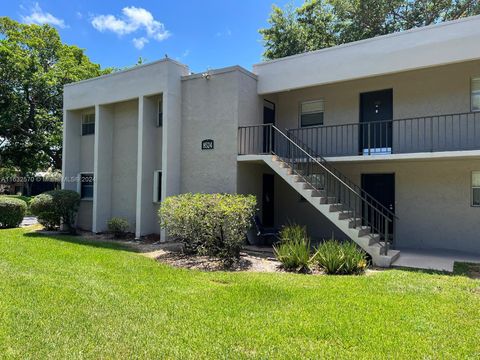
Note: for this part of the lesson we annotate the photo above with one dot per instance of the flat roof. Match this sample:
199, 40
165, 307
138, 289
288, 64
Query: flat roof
434, 45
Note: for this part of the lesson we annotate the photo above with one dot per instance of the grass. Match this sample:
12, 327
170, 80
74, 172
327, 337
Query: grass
63, 297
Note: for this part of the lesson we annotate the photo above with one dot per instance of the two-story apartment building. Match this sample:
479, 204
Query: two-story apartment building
377, 140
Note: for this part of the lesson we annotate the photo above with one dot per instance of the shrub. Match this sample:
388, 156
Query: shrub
294, 249
211, 224
339, 258
55, 208
12, 212
118, 227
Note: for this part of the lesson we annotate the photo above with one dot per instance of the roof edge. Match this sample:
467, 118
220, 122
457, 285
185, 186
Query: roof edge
376, 38
135, 67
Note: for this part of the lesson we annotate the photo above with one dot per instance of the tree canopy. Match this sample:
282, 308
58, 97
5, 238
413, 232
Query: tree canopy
318, 24
34, 67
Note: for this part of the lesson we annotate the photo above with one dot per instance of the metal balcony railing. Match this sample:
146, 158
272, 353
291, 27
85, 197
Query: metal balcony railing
452, 132
354, 202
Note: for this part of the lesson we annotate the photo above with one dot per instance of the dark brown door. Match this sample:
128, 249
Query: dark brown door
268, 193
376, 109
268, 118
382, 188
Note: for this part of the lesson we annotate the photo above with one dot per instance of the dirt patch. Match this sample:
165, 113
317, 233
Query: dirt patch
247, 262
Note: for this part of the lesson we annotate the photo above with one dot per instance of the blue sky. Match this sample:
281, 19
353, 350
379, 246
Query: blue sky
202, 34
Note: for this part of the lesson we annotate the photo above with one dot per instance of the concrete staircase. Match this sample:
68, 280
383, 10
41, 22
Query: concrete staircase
335, 212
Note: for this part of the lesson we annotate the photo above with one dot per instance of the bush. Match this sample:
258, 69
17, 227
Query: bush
294, 249
12, 212
118, 227
210, 224
55, 208
339, 258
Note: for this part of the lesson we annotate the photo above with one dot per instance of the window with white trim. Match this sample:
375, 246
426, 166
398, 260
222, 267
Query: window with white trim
160, 113
157, 186
476, 94
88, 124
86, 186
311, 113
475, 188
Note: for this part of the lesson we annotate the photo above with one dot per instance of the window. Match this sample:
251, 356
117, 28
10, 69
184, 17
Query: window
476, 188
88, 124
476, 94
311, 113
160, 113
157, 186
86, 186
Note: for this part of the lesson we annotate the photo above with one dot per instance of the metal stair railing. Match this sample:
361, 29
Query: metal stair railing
320, 176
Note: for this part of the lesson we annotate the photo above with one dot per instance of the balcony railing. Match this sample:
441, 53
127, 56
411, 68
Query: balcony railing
452, 132
356, 203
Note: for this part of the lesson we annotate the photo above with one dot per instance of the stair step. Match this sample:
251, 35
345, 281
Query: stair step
335, 207
275, 158
313, 193
345, 215
364, 230
370, 239
353, 223
329, 200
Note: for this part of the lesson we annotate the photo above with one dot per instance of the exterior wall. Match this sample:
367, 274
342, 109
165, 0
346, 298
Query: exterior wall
85, 215
432, 200
149, 159
78, 157
288, 206
212, 109
432, 91
87, 146
112, 154
124, 164
291, 208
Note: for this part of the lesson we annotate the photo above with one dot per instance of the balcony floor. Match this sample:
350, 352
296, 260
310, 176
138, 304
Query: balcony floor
440, 155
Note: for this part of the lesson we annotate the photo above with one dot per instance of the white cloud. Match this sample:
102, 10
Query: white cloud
38, 16
139, 43
132, 20
225, 33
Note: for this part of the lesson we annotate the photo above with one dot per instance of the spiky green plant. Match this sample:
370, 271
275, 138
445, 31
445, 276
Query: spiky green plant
294, 249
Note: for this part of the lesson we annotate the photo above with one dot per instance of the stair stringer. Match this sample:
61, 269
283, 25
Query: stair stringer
373, 248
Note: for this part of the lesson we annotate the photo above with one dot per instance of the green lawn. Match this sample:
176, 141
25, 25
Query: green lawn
65, 298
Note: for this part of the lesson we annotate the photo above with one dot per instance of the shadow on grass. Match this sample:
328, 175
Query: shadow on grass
80, 240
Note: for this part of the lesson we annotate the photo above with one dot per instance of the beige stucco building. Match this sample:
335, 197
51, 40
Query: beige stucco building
377, 140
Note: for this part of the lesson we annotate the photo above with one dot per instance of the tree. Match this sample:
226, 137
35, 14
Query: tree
34, 67
318, 24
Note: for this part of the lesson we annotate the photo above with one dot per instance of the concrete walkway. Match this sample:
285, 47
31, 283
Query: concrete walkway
29, 220
441, 260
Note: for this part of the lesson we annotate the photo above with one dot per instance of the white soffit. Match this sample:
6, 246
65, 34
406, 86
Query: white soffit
434, 45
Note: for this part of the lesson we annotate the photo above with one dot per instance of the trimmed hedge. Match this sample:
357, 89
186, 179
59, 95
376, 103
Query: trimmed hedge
210, 224
55, 208
12, 212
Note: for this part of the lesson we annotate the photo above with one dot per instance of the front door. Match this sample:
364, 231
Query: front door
382, 188
268, 118
268, 194
376, 109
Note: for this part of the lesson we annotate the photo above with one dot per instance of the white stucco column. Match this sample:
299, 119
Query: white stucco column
71, 149
146, 212
103, 153
171, 140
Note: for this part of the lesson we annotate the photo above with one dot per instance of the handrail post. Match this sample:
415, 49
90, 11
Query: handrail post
270, 139
368, 138
386, 235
